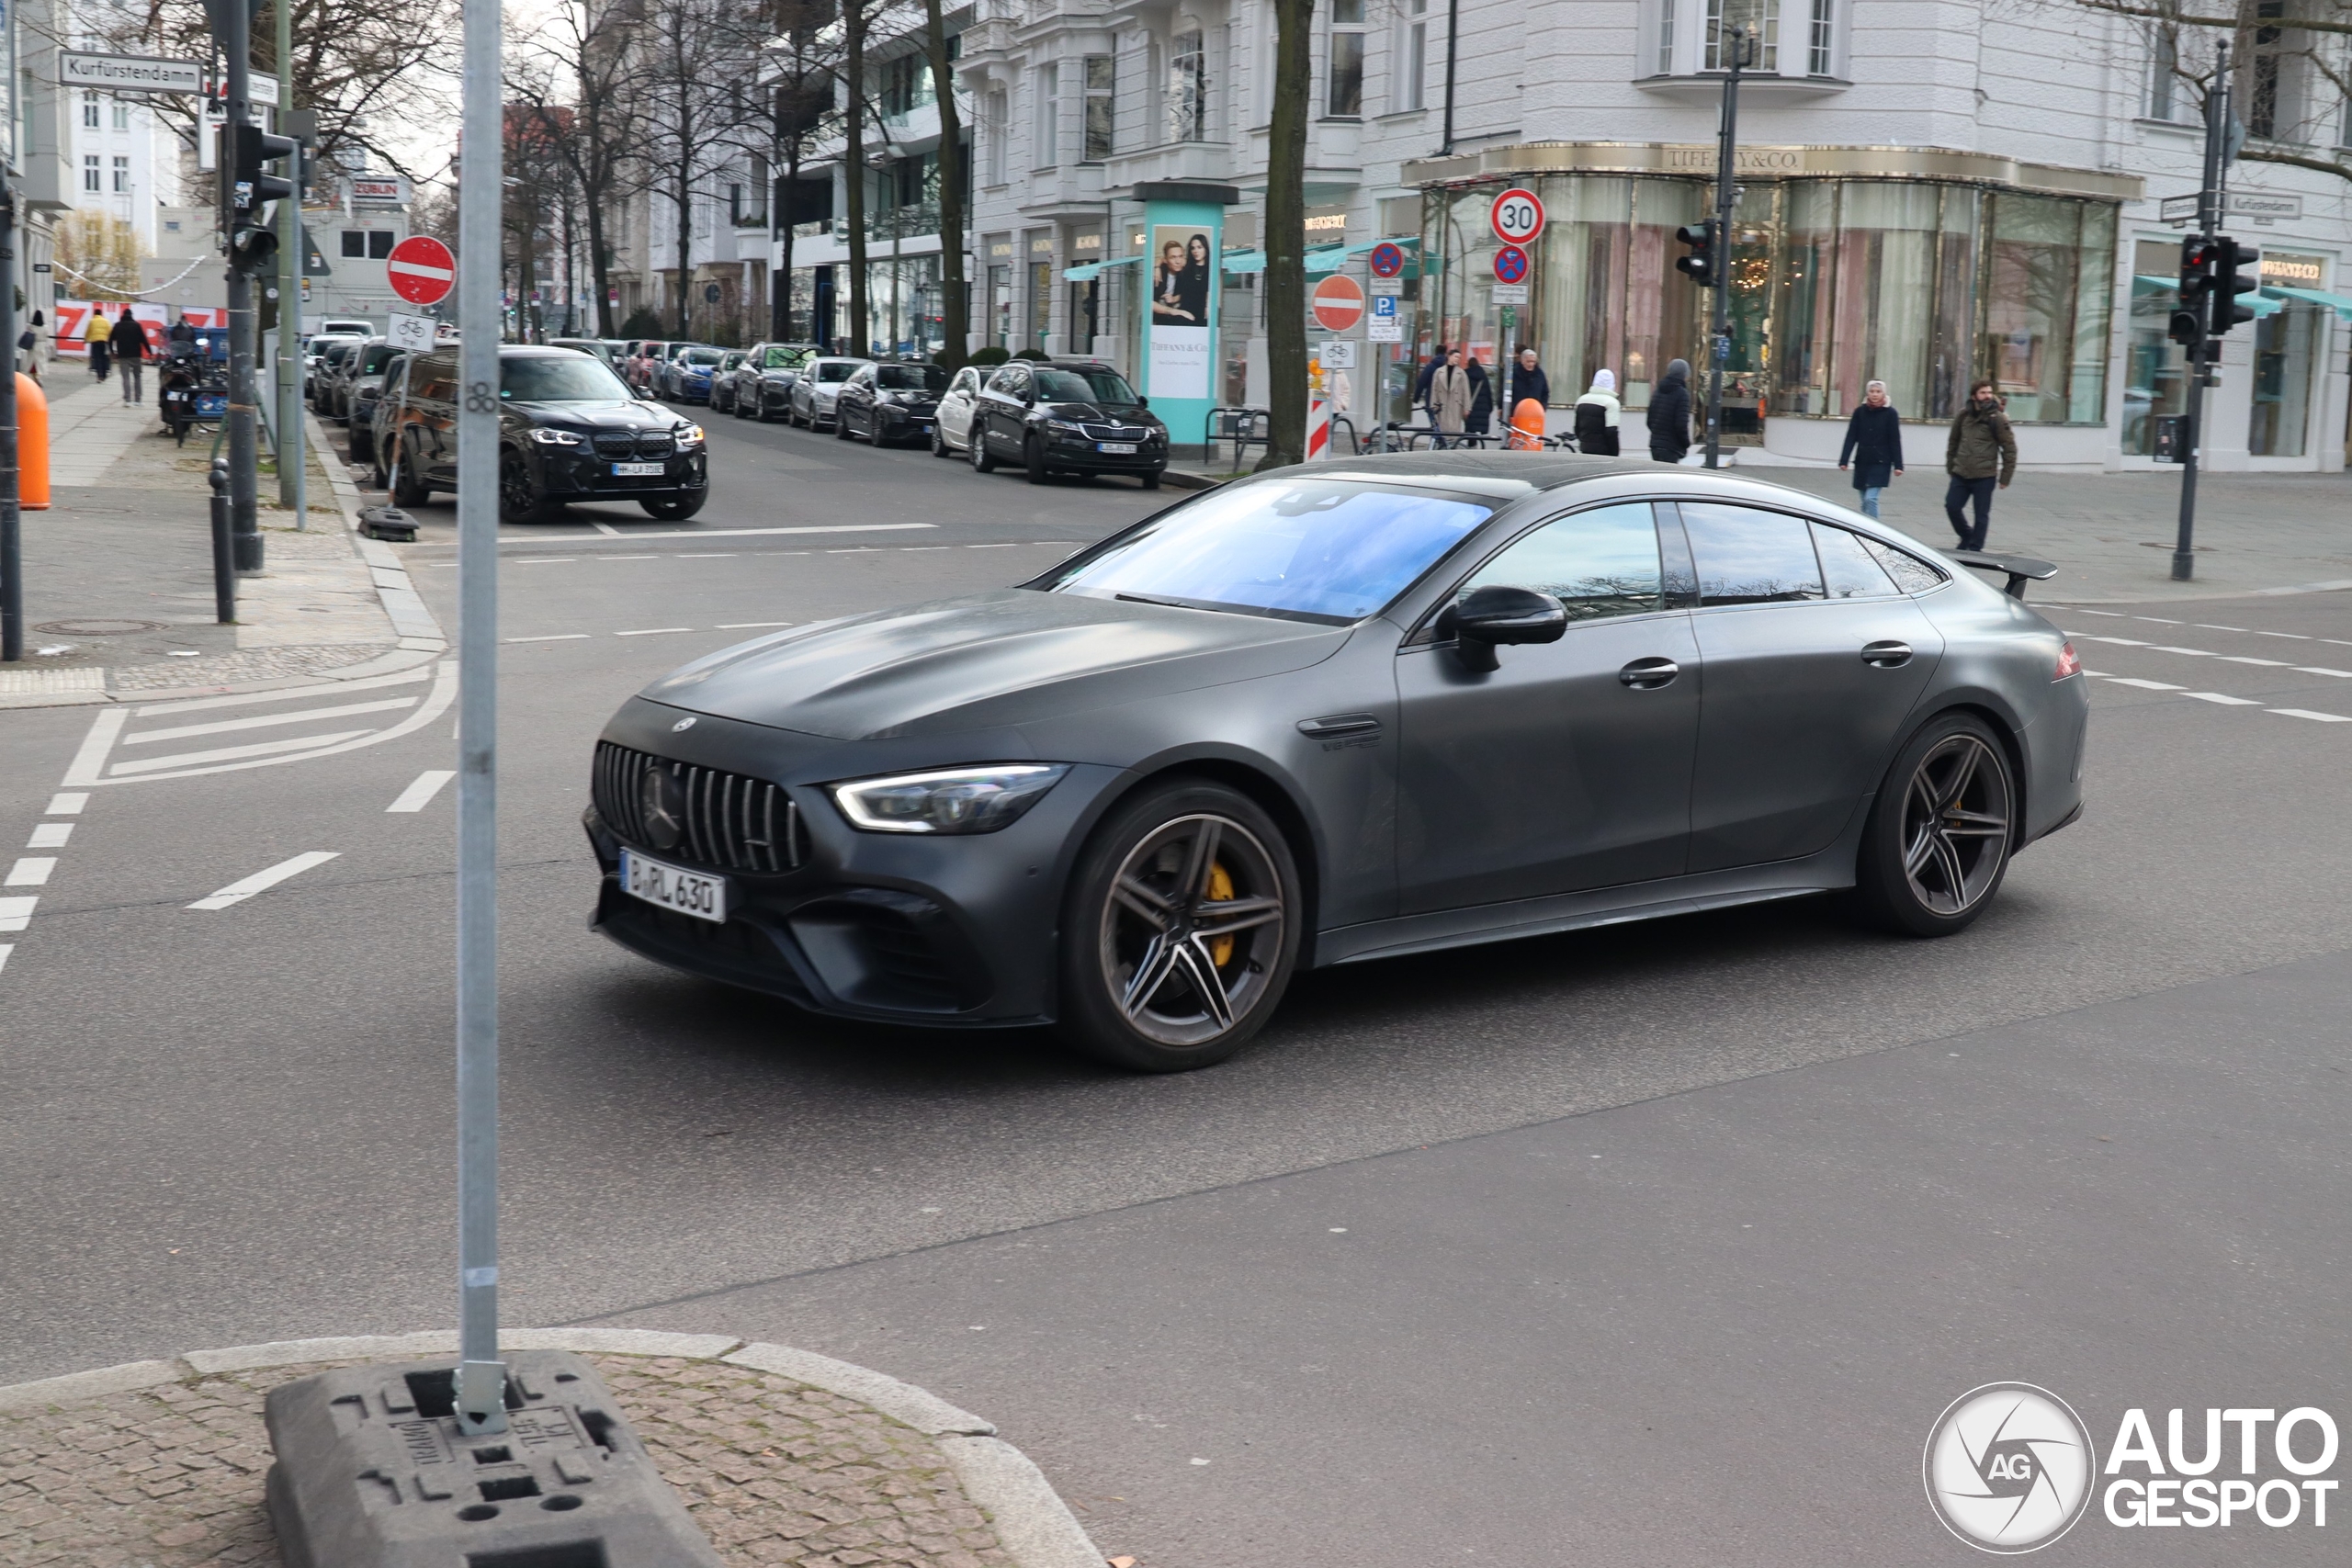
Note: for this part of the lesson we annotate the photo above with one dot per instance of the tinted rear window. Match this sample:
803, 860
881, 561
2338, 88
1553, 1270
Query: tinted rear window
911, 378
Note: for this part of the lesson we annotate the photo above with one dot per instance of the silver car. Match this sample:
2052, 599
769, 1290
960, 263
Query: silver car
819, 384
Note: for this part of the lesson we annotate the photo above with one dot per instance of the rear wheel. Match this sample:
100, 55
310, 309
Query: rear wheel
407, 490
975, 447
841, 424
1938, 840
1180, 931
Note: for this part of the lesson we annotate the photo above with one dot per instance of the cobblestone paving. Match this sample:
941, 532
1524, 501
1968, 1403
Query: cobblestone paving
776, 1473
247, 664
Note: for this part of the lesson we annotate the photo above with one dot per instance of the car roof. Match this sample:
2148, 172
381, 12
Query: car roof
1537, 470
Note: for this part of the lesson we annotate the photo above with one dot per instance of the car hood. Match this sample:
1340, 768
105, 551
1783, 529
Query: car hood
985, 660
1101, 414
632, 415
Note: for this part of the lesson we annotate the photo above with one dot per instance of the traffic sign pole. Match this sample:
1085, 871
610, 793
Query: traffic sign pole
1727, 197
2209, 222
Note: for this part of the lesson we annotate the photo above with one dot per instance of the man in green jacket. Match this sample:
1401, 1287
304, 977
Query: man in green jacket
1979, 454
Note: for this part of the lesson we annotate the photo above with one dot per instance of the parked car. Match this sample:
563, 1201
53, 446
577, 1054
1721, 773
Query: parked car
1303, 720
1071, 416
643, 360
345, 326
763, 381
372, 443
569, 430
601, 348
721, 396
888, 403
334, 387
361, 391
951, 425
685, 378
819, 381
322, 377
314, 353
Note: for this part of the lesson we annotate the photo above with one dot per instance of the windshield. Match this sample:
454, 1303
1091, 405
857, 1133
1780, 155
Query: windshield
839, 370
1083, 387
911, 378
1330, 550
378, 355
782, 358
702, 356
560, 379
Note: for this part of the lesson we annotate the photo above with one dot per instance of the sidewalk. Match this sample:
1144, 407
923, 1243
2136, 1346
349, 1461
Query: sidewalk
118, 573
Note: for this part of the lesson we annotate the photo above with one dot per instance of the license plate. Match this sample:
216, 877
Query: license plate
687, 892
211, 403
1124, 448
637, 471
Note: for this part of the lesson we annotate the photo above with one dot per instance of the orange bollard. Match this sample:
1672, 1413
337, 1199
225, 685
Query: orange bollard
1526, 427
32, 444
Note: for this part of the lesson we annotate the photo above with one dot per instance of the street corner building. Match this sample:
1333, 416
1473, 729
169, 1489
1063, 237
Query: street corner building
1932, 192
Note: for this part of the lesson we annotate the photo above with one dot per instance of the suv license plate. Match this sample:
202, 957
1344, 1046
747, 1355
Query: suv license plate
687, 892
637, 471
1124, 448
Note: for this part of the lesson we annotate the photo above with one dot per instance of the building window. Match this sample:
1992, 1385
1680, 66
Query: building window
906, 85
1343, 96
1666, 37
1100, 73
1188, 88
121, 116
996, 124
122, 176
1760, 18
90, 172
1412, 56
354, 242
1048, 106
89, 111
380, 243
2262, 110
2164, 72
1820, 49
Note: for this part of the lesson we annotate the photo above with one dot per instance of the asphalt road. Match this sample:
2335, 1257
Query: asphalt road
1372, 1271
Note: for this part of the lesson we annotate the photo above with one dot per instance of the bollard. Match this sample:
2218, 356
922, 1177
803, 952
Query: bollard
224, 550
32, 444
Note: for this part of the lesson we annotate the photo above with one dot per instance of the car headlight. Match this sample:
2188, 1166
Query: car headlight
555, 437
1062, 427
690, 435
957, 800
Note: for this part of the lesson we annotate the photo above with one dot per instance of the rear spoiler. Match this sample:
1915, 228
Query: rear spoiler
2019, 569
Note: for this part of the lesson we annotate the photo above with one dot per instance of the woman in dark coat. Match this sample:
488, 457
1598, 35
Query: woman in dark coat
1874, 446
1669, 415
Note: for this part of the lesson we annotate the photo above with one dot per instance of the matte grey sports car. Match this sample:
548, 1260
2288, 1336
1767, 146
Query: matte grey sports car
1321, 716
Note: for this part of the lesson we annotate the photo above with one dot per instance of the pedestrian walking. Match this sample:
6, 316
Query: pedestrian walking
1980, 454
1599, 415
93, 338
1428, 374
1874, 446
128, 345
1527, 381
1669, 413
1482, 397
1450, 398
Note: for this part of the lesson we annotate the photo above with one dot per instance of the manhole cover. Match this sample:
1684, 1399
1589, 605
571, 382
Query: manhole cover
97, 628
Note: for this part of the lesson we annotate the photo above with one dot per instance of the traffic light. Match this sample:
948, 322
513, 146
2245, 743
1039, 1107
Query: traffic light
1701, 265
248, 185
2198, 254
2237, 269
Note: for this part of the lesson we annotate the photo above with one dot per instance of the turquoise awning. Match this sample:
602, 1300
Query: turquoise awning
1322, 258
2143, 284
1085, 272
2340, 304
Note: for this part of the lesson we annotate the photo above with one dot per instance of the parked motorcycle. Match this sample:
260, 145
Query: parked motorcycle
192, 387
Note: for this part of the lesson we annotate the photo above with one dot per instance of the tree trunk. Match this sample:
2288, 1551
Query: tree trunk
957, 303
1286, 237
854, 171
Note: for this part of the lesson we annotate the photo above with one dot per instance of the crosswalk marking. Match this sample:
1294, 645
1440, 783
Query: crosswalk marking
15, 914
298, 693
221, 726
260, 881
428, 784
225, 753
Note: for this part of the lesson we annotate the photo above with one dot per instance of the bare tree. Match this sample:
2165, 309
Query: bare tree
1286, 236
572, 71
856, 16
957, 306
692, 57
801, 106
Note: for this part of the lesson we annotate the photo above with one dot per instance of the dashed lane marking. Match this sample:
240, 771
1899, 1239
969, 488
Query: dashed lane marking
551, 637
31, 870
2319, 718
653, 631
528, 560
66, 804
418, 794
266, 721
6, 948
262, 881
49, 835
2145, 685
748, 625
15, 914
2225, 701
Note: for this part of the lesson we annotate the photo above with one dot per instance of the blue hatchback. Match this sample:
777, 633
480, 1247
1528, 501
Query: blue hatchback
691, 373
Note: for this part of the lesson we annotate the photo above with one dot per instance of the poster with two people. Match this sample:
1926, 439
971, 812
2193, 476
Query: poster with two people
1183, 279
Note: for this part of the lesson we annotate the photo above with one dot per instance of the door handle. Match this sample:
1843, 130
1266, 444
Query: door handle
1648, 674
1886, 655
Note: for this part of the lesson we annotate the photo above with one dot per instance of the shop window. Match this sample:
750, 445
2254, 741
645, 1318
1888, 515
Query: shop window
2287, 347
1041, 303
1343, 61
1411, 75
1188, 88
1762, 20
2033, 262
1102, 76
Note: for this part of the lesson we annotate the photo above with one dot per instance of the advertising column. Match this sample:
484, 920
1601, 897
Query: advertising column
1184, 232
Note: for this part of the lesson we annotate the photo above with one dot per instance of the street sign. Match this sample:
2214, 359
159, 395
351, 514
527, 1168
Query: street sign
2259, 206
127, 74
421, 269
1386, 325
1510, 265
1387, 259
1338, 302
410, 331
1509, 293
1517, 217
1338, 354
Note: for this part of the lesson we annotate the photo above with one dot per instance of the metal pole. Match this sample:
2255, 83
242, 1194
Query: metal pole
12, 554
292, 448
1453, 27
2200, 353
481, 1376
1726, 199
224, 557
243, 476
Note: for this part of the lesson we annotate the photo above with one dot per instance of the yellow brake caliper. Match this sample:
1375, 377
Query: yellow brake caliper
1220, 890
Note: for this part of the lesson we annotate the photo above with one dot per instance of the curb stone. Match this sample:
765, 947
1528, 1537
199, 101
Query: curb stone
1032, 1522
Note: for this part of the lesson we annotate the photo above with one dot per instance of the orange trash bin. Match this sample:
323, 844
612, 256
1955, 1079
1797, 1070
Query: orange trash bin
1526, 427
32, 444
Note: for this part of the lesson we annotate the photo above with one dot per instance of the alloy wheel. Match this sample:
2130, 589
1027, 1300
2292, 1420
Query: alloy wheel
1192, 930
1955, 824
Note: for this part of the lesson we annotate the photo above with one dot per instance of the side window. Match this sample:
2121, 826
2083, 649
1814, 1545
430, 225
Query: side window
1012, 381
1910, 573
1850, 571
1597, 563
1749, 555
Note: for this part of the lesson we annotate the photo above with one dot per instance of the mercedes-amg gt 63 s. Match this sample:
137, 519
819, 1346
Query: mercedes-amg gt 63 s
1325, 715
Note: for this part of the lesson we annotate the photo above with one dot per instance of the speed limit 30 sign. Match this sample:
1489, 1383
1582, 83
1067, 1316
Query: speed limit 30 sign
1518, 217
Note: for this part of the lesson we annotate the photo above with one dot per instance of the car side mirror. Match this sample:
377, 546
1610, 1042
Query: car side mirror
1496, 614
1142, 402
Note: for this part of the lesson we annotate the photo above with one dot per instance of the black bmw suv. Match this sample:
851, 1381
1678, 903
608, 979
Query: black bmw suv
568, 429
1072, 416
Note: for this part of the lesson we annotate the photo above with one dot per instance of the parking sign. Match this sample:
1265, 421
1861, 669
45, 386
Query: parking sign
1386, 325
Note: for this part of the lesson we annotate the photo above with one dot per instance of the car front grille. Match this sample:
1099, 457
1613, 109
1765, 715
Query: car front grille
622, 446
1115, 432
731, 821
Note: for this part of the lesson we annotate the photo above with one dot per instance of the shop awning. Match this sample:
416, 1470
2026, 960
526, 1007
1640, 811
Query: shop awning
2141, 282
1322, 258
2341, 304
1087, 272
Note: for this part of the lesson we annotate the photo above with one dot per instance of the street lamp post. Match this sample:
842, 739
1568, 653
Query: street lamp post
1741, 39
2201, 350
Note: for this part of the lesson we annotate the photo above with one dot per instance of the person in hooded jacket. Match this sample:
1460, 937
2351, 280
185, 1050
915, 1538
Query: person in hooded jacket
1874, 446
1482, 396
1669, 415
129, 344
1598, 416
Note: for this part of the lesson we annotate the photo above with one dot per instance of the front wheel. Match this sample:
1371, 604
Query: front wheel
675, 510
1151, 481
939, 442
975, 447
1938, 840
519, 500
1033, 459
1180, 931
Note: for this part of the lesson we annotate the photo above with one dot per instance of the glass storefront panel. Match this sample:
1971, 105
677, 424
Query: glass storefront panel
1579, 324
2155, 368
1952, 350
1808, 294
1663, 318
1886, 260
2094, 295
1000, 318
2029, 277
2286, 345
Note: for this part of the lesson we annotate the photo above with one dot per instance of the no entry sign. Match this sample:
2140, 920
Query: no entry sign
421, 270
1517, 217
1338, 302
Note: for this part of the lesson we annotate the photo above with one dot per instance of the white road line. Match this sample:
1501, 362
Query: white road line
606, 529
2111, 614
428, 784
653, 631
1011, 546
2191, 652
6, 948
721, 554
2321, 717
66, 804
2226, 701
551, 637
748, 625
2159, 620
2148, 685
227, 753
2245, 658
746, 533
2296, 636
628, 558
16, 913
250, 699
266, 721
2210, 626
31, 870
522, 560
2321, 670
436, 704
260, 881
49, 835
89, 762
